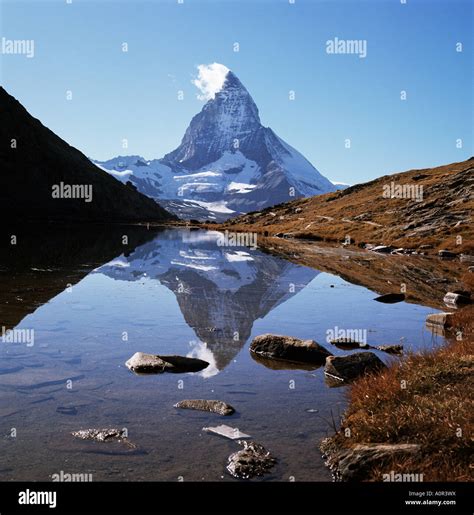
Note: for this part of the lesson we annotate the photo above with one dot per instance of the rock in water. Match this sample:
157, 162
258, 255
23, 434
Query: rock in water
105, 435
253, 460
391, 349
218, 407
348, 368
391, 298
287, 348
142, 363
348, 344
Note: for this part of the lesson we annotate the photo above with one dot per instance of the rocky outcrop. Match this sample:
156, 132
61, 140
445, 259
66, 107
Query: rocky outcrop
253, 460
352, 464
219, 407
348, 368
142, 363
288, 348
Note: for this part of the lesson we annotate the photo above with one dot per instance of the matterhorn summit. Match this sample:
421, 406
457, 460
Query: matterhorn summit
227, 163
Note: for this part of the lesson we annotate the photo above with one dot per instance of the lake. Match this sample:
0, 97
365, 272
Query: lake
170, 291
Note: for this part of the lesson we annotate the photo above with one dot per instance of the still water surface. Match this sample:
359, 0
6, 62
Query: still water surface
179, 293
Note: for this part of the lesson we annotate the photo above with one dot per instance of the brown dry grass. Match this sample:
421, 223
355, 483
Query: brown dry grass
426, 399
362, 213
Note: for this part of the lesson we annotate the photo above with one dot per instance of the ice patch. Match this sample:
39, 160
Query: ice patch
238, 256
197, 175
204, 268
216, 207
241, 187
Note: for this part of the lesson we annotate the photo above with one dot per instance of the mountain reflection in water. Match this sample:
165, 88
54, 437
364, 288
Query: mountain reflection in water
221, 291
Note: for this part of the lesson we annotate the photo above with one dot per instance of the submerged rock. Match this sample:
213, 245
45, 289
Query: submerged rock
348, 368
220, 407
391, 298
100, 435
348, 344
253, 460
391, 349
142, 363
352, 464
287, 348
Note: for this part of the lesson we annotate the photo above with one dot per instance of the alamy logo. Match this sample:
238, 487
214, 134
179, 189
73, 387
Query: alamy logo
26, 336
31, 497
406, 191
24, 47
347, 46
402, 478
66, 477
237, 239
337, 333
75, 191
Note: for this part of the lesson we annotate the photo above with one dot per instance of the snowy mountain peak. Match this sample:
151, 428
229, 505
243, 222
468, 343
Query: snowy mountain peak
227, 163
224, 124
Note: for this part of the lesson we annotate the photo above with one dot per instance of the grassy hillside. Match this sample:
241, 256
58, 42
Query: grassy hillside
366, 213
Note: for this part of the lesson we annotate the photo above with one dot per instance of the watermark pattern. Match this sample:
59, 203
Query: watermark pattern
26, 336
402, 478
24, 47
338, 333
72, 191
347, 46
237, 239
403, 191
67, 477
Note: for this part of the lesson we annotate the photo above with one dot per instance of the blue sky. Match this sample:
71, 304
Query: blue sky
134, 94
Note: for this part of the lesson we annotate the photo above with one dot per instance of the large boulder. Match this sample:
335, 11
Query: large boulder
142, 363
348, 368
287, 348
219, 407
